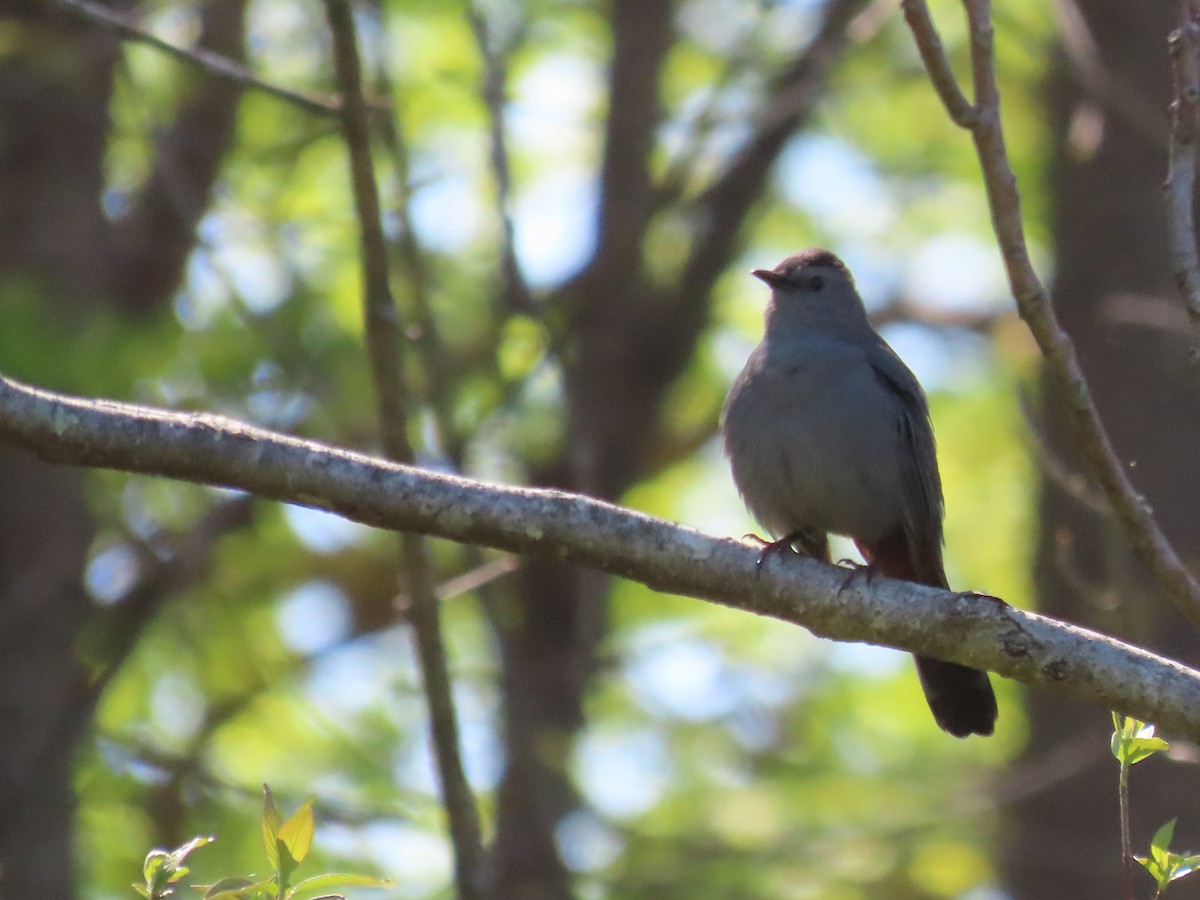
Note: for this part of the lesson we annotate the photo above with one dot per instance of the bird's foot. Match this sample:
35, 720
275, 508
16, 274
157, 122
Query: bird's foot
784, 544
856, 571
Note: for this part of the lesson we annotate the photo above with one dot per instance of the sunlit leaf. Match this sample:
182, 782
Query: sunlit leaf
297, 832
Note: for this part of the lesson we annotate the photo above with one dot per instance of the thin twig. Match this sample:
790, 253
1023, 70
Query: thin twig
383, 335
410, 263
1180, 187
743, 51
213, 63
1074, 484
517, 295
719, 211
1149, 543
978, 631
933, 54
1126, 841
478, 577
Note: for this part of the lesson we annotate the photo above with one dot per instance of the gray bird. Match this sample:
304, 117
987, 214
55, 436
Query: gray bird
828, 432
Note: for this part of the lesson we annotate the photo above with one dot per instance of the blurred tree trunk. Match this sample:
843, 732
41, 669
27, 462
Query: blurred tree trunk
1115, 293
60, 253
54, 87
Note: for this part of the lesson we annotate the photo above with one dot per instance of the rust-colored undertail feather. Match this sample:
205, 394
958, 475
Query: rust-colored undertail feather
960, 697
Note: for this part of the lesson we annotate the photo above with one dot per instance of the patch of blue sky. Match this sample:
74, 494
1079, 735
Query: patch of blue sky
838, 186
111, 573
233, 262
313, 617
586, 843
754, 728
686, 678
724, 133
553, 108
554, 224
419, 862
551, 121
177, 707
283, 30
922, 349
254, 270
445, 207
479, 743
865, 659
479, 737
717, 25
205, 291
321, 531
622, 772
942, 360
956, 271
348, 680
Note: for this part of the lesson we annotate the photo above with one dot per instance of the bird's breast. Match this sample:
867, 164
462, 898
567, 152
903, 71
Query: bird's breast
814, 444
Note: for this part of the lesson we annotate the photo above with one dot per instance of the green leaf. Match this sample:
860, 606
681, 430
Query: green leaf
180, 853
156, 861
1134, 740
340, 879
1154, 869
1143, 748
297, 832
1162, 837
236, 888
1186, 866
270, 827
162, 868
1163, 865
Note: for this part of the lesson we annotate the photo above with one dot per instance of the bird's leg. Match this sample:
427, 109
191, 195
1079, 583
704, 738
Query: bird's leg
786, 542
858, 570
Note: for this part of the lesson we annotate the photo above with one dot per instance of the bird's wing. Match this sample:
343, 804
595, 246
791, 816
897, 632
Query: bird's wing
921, 503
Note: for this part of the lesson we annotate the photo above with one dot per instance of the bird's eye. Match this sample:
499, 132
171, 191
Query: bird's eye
816, 282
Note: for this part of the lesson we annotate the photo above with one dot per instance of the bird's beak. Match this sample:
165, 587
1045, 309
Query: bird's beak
772, 278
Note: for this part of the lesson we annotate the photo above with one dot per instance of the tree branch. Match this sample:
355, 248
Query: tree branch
1180, 187
933, 54
642, 34
153, 242
722, 208
205, 60
1148, 541
384, 342
516, 294
970, 629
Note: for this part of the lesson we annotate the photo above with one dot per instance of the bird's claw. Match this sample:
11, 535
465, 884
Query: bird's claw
856, 570
769, 547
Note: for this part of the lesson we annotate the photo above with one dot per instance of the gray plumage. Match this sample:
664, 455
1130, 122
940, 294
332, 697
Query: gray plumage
828, 432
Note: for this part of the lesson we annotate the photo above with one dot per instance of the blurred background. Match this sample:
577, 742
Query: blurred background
574, 191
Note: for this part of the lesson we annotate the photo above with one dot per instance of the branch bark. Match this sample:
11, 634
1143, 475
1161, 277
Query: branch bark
1145, 536
979, 631
1180, 187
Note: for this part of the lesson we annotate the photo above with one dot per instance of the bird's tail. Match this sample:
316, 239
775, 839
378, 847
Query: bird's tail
960, 698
